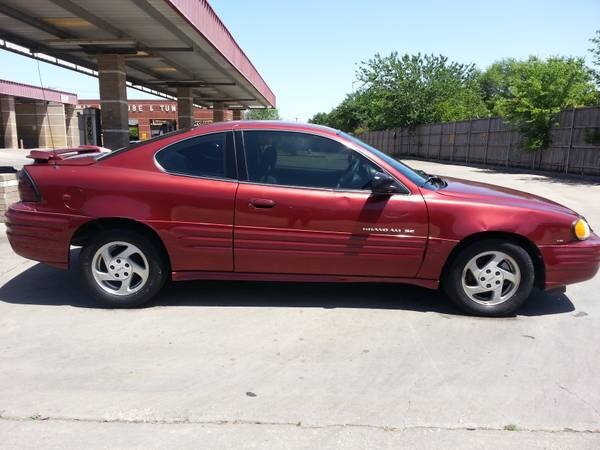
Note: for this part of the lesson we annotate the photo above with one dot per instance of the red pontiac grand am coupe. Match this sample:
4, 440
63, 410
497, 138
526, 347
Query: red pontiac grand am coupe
289, 202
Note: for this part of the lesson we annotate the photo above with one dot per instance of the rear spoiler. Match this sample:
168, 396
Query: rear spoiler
41, 156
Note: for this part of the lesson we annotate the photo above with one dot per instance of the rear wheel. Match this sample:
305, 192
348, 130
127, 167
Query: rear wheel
122, 269
490, 278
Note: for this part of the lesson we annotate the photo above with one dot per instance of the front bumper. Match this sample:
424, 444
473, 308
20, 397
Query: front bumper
40, 236
571, 263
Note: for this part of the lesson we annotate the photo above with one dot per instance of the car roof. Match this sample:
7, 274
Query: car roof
266, 125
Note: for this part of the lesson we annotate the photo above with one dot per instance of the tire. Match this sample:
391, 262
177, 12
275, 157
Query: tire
122, 268
492, 278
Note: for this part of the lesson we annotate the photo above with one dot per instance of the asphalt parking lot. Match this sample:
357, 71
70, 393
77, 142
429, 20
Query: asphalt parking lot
256, 365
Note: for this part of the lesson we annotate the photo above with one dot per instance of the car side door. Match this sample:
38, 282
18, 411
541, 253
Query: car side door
195, 200
304, 206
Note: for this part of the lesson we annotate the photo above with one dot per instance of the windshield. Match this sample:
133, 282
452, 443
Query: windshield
416, 176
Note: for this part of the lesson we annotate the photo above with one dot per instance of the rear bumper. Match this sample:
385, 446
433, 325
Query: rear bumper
40, 236
571, 263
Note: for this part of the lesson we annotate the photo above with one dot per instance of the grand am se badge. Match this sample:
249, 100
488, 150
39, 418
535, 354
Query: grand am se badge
388, 230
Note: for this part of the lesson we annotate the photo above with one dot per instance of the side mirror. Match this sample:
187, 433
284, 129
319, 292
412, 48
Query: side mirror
383, 184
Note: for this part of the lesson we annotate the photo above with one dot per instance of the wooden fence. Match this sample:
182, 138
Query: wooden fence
575, 147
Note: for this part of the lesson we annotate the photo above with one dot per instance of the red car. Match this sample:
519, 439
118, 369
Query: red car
289, 202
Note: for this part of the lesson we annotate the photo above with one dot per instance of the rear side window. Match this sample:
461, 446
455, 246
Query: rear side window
203, 156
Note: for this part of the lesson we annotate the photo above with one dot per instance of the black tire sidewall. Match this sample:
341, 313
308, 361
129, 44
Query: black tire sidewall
157, 273
452, 282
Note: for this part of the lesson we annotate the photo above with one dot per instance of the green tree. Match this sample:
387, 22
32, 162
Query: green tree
595, 51
413, 89
494, 82
346, 116
408, 91
263, 114
321, 118
531, 93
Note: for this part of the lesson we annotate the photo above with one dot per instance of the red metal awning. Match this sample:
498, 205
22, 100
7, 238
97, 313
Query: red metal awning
203, 18
166, 44
36, 93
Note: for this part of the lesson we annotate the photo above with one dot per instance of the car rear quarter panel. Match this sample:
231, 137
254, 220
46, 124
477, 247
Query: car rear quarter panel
193, 217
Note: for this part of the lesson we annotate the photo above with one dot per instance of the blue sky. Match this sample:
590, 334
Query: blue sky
308, 50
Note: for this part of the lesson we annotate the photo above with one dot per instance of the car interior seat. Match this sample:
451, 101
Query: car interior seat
268, 161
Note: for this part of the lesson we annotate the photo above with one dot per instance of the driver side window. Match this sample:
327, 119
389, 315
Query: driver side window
304, 160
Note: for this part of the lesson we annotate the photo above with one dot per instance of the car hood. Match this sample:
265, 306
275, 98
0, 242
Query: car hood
489, 193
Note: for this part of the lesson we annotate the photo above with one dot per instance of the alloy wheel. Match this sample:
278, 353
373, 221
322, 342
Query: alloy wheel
120, 268
491, 278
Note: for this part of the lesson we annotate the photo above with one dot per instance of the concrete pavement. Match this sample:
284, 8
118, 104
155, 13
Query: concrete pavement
276, 365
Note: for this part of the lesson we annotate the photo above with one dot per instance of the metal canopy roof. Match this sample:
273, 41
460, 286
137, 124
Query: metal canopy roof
167, 43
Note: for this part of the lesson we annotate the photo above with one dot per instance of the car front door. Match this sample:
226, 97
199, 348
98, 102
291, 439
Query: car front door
306, 208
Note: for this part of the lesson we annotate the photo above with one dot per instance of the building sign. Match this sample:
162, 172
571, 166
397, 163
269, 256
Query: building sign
149, 118
141, 107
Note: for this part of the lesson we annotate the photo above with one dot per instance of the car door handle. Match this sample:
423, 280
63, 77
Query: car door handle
262, 203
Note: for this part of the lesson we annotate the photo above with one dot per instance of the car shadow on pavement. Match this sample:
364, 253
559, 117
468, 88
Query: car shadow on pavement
44, 285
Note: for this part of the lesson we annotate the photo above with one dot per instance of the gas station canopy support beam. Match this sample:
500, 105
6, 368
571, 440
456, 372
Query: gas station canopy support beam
228, 100
75, 42
218, 112
185, 108
188, 83
113, 101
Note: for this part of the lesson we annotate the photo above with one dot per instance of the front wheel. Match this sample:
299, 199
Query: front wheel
122, 269
490, 278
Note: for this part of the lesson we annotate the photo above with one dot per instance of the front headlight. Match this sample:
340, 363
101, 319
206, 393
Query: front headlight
581, 229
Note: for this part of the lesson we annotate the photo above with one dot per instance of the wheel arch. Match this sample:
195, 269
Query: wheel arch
528, 245
86, 230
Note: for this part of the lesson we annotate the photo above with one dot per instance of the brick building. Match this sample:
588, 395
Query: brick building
149, 118
33, 117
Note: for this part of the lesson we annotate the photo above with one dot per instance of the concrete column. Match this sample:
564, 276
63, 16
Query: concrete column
8, 122
237, 114
53, 131
185, 108
72, 126
113, 101
218, 112
41, 124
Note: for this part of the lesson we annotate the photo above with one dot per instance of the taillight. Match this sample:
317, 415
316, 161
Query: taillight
28, 191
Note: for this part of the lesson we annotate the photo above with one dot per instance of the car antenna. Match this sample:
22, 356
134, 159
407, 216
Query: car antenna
45, 103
